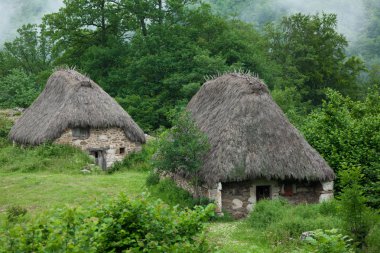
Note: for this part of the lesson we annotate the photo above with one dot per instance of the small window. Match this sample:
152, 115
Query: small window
288, 190
122, 151
81, 132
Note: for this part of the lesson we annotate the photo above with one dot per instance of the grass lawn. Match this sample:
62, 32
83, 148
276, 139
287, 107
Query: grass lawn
237, 237
40, 191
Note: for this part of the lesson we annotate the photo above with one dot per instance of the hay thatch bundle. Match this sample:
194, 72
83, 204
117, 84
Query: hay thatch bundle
250, 136
71, 100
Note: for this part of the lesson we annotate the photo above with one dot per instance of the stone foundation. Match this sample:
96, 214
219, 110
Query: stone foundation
112, 141
240, 198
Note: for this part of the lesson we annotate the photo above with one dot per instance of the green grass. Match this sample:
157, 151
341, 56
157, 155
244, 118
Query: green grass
49, 176
48, 157
41, 191
237, 237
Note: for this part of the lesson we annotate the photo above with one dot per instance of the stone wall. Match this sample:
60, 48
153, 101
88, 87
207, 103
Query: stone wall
111, 140
239, 198
302, 192
309, 192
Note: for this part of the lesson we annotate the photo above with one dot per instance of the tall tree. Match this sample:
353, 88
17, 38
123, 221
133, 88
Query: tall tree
313, 55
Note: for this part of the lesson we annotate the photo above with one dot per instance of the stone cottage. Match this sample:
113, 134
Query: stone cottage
72, 109
256, 153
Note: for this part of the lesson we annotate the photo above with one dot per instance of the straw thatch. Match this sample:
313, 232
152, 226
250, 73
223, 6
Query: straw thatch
250, 136
71, 100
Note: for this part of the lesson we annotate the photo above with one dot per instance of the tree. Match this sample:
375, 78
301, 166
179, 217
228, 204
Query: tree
347, 134
29, 51
182, 149
17, 90
313, 55
353, 210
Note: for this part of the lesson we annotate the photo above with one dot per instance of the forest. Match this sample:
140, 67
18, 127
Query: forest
152, 56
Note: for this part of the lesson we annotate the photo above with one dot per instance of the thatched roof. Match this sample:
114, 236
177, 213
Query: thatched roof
69, 100
250, 136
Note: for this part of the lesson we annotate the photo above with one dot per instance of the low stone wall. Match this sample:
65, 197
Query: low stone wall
111, 140
309, 192
239, 198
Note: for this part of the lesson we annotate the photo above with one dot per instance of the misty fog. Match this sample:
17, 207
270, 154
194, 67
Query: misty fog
15, 13
351, 13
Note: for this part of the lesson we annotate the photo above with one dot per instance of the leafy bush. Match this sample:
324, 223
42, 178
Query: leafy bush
182, 148
15, 212
17, 90
171, 194
267, 212
137, 160
119, 225
356, 216
346, 133
152, 179
293, 225
5, 127
282, 222
372, 240
328, 241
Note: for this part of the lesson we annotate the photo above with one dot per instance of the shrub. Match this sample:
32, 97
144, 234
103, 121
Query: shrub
355, 214
5, 127
267, 212
293, 225
17, 90
329, 208
152, 179
137, 160
173, 195
282, 223
182, 148
15, 212
328, 241
373, 239
119, 225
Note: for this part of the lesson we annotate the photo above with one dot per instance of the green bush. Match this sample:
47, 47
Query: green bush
119, 225
5, 127
137, 160
281, 222
328, 241
171, 194
152, 179
373, 239
293, 225
15, 212
329, 208
17, 89
267, 212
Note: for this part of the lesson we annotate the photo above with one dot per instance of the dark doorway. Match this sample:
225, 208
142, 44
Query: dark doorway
100, 158
262, 192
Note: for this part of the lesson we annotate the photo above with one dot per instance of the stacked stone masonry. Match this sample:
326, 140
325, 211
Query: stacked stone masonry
111, 140
240, 198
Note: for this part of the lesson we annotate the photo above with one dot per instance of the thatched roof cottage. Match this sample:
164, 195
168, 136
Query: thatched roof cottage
72, 109
255, 151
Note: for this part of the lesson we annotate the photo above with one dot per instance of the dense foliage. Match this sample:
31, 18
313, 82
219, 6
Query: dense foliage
118, 225
182, 148
347, 134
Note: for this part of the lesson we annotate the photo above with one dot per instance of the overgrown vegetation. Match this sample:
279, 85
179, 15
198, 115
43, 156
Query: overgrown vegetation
117, 225
152, 57
48, 157
347, 134
181, 150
